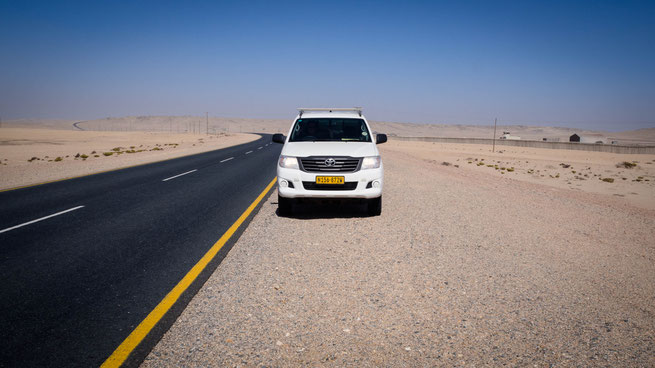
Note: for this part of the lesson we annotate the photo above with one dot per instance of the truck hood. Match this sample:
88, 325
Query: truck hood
353, 149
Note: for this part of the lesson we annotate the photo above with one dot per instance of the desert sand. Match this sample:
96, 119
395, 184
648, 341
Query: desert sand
523, 256
180, 124
631, 177
465, 267
24, 145
31, 156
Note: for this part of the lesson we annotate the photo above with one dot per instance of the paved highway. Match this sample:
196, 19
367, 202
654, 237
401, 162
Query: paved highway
83, 261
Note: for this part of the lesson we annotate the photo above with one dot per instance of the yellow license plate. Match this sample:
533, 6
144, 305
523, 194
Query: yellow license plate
330, 180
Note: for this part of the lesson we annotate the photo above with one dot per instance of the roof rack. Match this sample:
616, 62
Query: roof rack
330, 109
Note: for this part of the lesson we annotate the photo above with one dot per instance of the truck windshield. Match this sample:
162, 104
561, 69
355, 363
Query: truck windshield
317, 129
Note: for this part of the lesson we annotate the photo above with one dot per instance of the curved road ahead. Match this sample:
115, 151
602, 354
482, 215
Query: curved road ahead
75, 285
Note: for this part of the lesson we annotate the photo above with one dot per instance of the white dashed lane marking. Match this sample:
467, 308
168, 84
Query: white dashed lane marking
40, 219
178, 175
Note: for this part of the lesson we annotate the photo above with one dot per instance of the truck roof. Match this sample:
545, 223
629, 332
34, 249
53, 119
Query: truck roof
330, 112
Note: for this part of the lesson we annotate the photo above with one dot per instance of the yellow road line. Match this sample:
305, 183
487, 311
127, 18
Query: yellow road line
141, 331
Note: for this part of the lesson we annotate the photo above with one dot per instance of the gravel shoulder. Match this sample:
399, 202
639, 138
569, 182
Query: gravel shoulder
463, 267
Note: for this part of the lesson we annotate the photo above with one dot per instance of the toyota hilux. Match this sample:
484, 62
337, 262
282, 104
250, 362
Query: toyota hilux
330, 153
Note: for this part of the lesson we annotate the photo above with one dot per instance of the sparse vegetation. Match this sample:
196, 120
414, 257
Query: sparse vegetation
58, 159
511, 169
626, 164
108, 153
33, 159
608, 180
84, 157
445, 163
116, 149
566, 166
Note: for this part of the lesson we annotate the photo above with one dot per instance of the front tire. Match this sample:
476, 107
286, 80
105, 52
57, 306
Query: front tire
374, 206
284, 206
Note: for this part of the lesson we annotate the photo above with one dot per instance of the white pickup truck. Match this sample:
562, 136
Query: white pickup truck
330, 153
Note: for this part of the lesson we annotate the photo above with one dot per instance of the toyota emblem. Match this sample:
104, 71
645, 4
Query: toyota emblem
329, 162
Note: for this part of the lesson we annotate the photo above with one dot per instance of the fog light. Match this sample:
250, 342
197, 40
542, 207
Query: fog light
284, 183
376, 184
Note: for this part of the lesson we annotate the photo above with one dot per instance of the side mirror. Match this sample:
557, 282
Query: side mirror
279, 138
380, 138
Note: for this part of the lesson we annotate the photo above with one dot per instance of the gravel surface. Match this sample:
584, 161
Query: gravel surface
463, 268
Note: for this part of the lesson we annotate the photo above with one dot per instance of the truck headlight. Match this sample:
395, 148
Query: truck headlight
371, 162
288, 162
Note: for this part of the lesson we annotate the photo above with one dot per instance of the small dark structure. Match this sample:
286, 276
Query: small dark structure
574, 138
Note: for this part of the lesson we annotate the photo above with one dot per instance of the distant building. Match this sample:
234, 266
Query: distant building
550, 139
508, 136
589, 138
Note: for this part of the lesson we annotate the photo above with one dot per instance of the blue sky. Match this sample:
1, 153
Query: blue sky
584, 64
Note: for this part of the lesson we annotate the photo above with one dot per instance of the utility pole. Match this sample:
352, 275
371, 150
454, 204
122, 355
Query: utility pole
494, 144
207, 117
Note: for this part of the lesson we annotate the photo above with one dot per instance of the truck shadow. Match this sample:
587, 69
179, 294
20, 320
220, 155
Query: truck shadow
326, 209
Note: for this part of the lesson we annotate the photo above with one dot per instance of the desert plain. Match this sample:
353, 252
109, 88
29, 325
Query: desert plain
518, 257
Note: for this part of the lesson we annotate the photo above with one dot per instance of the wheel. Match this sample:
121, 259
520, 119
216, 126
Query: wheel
284, 206
374, 206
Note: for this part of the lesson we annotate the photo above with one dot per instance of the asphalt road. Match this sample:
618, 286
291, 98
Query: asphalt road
76, 284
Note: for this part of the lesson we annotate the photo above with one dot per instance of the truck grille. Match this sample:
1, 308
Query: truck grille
321, 164
310, 185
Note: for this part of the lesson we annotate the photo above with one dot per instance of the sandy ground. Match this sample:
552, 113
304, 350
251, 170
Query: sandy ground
195, 124
30, 156
596, 172
465, 267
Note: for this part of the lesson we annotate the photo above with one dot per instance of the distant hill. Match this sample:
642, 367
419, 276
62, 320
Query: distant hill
183, 124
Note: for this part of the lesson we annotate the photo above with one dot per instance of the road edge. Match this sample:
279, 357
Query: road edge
261, 135
135, 348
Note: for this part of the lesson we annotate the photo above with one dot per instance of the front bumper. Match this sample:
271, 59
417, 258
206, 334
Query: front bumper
361, 177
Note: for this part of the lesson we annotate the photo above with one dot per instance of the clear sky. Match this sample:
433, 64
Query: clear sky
585, 64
